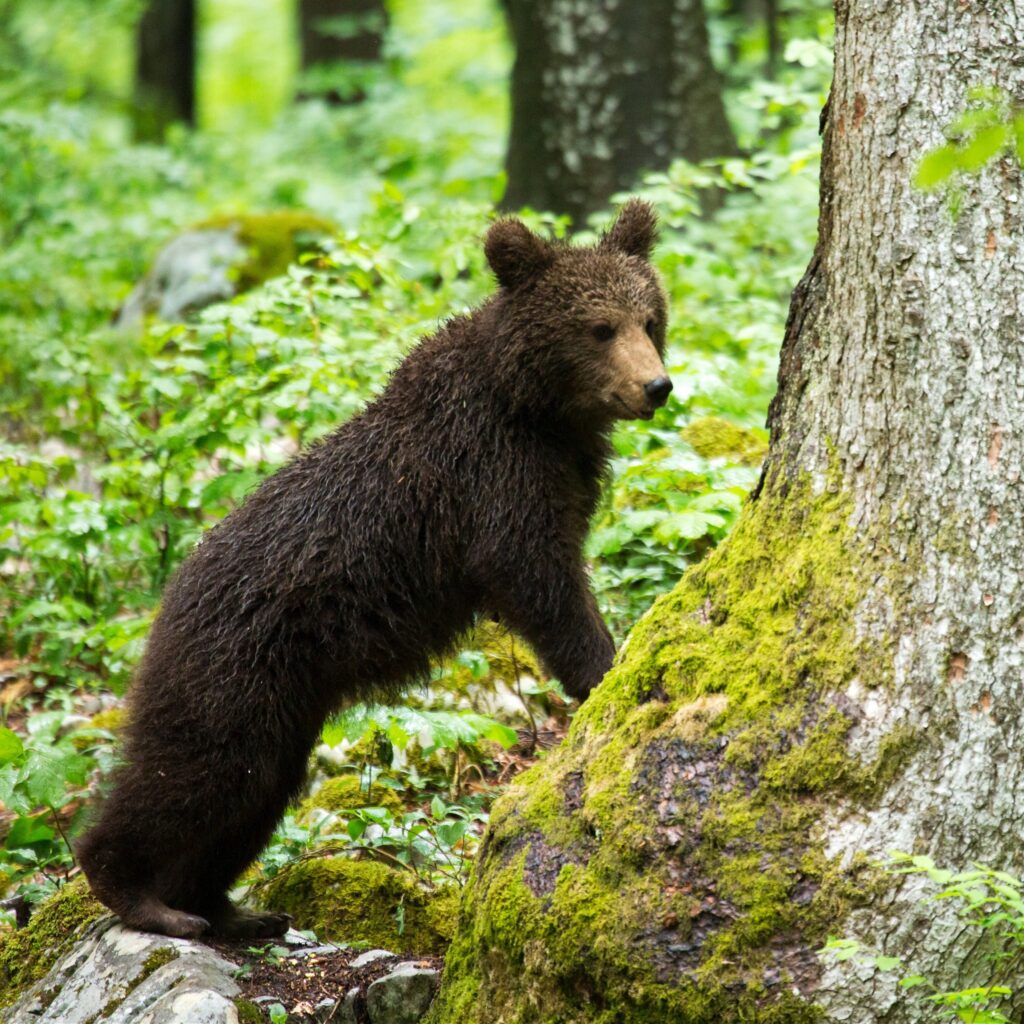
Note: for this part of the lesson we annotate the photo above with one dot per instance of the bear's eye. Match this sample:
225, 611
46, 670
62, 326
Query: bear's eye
649, 328
603, 332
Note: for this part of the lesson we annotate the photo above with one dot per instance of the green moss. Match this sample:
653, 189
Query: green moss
248, 1012
275, 240
27, 954
111, 719
347, 793
357, 901
665, 864
715, 438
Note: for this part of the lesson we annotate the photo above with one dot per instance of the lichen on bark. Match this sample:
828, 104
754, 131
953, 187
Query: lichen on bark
667, 863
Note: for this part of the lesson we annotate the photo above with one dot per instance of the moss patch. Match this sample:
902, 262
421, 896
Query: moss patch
715, 438
346, 900
666, 864
27, 954
274, 241
347, 793
111, 720
248, 1012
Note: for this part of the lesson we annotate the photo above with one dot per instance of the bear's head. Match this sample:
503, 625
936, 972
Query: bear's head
586, 323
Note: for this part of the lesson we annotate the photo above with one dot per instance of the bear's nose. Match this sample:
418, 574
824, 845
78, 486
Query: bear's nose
658, 390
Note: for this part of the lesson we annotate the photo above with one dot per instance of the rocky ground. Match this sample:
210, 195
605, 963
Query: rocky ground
115, 976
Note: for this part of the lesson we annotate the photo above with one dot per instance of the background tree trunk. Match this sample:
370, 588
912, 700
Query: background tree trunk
604, 90
165, 68
844, 675
362, 44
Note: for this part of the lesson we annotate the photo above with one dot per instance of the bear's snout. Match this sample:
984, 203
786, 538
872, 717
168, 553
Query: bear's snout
658, 390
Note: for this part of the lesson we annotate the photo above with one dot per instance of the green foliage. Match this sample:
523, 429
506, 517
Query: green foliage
991, 126
431, 729
990, 903
118, 451
40, 775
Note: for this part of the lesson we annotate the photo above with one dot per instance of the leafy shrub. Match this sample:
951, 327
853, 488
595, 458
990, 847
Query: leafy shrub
989, 902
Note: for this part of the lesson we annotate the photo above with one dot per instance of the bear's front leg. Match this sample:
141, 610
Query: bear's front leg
552, 607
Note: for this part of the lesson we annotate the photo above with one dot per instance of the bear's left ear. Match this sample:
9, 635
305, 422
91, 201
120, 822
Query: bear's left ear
515, 253
635, 230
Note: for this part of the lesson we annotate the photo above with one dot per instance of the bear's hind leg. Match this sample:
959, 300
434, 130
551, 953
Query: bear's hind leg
149, 914
228, 921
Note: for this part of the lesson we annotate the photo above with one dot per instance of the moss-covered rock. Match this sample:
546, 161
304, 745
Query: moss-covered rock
715, 438
273, 240
347, 793
665, 864
27, 954
111, 719
346, 900
248, 1012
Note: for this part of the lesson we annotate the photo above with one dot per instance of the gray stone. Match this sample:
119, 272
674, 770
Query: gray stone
403, 996
193, 271
106, 976
371, 956
325, 950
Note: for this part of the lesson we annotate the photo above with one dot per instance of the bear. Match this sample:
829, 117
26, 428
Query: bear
464, 488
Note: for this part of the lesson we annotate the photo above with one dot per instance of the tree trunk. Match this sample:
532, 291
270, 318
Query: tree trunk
360, 43
843, 676
604, 90
165, 68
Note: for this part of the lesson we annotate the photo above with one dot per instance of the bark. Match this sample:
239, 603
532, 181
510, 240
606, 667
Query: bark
165, 68
842, 677
603, 90
319, 46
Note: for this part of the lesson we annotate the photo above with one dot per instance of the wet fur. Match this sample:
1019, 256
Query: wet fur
466, 486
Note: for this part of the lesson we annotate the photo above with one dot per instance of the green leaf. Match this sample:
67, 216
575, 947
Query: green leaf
913, 981
686, 525
48, 771
887, 963
11, 746
986, 144
28, 831
936, 167
491, 729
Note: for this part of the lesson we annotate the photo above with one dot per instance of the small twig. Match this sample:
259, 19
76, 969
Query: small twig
534, 737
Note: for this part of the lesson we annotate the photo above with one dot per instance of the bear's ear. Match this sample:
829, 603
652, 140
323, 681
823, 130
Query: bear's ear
635, 230
515, 253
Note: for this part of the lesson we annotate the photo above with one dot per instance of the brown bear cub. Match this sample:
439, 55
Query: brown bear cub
465, 487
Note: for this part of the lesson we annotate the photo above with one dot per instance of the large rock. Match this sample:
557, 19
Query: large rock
356, 901
219, 259
403, 996
74, 964
118, 976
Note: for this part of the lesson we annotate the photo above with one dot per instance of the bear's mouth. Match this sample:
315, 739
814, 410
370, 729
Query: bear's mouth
632, 413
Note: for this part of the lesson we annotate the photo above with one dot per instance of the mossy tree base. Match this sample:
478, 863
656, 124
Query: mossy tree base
844, 675
666, 864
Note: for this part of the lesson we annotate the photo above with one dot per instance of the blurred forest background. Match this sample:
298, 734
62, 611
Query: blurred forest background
354, 151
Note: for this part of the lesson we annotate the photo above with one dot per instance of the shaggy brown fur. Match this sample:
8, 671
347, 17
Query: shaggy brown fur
466, 486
